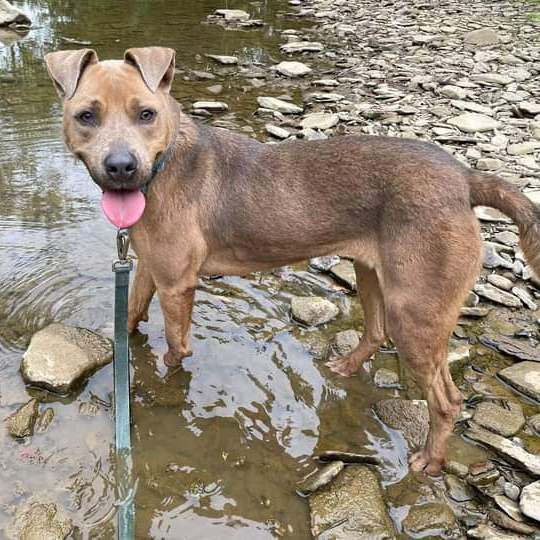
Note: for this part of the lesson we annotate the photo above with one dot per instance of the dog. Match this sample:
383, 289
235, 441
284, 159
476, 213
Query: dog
221, 203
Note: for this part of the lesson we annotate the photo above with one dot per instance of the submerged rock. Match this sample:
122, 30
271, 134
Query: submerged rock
11, 15
410, 417
21, 423
232, 14
437, 518
346, 342
319, 478
313, 310
59, 356
386, 378
351, 506
37, 520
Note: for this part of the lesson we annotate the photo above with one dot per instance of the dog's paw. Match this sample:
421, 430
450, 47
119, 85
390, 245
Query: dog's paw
423, 461
174, 359
346, 366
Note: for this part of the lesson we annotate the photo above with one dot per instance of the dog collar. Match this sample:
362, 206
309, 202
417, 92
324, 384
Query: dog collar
157, 167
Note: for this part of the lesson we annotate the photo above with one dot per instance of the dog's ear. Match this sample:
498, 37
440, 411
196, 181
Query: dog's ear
66, 67
155, 64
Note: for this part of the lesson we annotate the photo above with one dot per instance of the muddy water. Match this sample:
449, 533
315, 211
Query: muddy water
220, 444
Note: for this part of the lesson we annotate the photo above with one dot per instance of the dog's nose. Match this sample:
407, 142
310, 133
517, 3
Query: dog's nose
120, 166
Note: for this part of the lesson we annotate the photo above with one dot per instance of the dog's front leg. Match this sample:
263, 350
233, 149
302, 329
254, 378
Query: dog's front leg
141, 295
177, 304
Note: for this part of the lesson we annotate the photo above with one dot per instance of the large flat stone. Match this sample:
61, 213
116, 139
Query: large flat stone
525, 377
60, 356
352, 506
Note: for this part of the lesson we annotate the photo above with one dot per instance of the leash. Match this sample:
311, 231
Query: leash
125, 484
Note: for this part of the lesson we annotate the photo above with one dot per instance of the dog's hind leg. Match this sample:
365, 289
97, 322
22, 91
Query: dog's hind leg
369, 290
427, 277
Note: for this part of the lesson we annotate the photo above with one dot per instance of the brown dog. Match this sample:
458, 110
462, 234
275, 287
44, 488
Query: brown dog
221, 203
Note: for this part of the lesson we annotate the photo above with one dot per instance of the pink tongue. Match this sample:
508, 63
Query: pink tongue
123, 208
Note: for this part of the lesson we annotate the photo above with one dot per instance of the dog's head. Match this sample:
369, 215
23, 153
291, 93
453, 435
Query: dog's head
117, 113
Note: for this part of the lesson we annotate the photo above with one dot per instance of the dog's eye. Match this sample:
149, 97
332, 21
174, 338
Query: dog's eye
86, 117
147, 115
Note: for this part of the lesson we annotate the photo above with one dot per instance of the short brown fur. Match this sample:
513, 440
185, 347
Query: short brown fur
227, 204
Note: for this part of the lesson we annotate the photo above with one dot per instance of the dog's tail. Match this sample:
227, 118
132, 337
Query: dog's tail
490, 190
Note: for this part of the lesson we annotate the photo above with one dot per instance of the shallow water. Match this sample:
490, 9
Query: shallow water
219, 445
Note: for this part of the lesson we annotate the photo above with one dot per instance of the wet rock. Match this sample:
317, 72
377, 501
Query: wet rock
474, 123
476, 312
346, 342
506, 448
59, 356
503, 421
487, 532
500, 282
215, 89
506, 522
11, 15
456, 469
511, 491
211, 106
21, 423
351, 506
44, 420
37, 520
203, 75
496, 295
386, 378
482, 37
292, 69
410, 417
88, 408
509, 507
458, 490
301, 46
319, 478
525, 377
507, 238
453, 92
223, 59
232, 14
320, 121
525, 297
529, 107
276, 131
279, 105
348, 457
529, 502
489, 164
491, 215
513, 347
313, 310
492, 259
534, 423
437, 518
521, 149
323, 264
492, 78
344, 273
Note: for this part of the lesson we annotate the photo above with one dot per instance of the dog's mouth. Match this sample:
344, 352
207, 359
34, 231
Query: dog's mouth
124, 207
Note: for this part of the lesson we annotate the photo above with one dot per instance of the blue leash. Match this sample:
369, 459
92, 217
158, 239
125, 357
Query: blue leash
124, 461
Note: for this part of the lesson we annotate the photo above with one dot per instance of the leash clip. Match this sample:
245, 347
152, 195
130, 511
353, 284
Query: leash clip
122, 245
